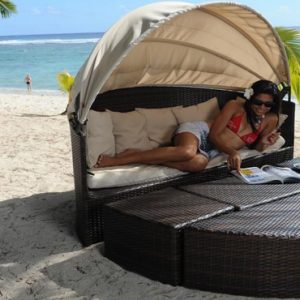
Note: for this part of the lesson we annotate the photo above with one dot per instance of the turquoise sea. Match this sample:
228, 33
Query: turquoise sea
42, 56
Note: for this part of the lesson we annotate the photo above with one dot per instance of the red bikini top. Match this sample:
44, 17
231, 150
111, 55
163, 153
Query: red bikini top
234, 125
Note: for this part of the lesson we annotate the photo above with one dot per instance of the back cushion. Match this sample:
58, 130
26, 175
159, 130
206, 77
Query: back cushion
129, 130
205, 111
161, 124
282, 118
99, 136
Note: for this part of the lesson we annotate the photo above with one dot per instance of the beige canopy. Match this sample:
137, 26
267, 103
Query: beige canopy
218, 45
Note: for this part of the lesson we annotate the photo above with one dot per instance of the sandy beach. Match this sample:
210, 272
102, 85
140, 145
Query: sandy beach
41, 256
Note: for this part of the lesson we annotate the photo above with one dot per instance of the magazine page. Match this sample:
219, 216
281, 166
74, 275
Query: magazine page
286, 174
255, 175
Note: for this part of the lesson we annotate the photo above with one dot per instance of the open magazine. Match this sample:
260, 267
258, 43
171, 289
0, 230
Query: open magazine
267, 174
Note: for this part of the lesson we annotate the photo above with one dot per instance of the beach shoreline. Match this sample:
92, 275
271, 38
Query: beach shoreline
23, 92
41, 256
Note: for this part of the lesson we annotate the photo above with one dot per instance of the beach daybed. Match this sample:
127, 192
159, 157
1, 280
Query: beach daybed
156, 66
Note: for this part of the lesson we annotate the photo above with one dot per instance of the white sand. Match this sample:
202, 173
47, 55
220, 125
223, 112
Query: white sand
40, 254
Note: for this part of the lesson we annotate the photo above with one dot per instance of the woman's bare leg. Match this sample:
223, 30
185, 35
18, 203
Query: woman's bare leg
128, 152
196, 164
186, 147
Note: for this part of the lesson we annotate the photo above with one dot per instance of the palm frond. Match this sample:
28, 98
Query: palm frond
65, 81
296, 85
290, 38
291, 41
7, 8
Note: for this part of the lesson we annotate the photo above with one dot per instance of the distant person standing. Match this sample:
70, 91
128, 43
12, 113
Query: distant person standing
28, 82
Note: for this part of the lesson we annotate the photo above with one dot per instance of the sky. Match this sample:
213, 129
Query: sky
65, 16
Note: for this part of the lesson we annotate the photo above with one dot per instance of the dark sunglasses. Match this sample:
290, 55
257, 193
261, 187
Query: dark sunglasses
267, 104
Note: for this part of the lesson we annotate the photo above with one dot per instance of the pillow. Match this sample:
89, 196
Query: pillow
282, 118
129, 130
161, 124
99, 136
204, 111
277, 145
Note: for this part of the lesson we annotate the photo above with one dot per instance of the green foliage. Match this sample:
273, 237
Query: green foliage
7, 8
65, 81
291, 42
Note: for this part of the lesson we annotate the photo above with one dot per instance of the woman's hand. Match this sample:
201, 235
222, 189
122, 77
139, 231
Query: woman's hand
234, 161
270, 138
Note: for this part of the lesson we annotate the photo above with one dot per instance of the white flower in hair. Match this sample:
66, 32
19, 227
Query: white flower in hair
248, 93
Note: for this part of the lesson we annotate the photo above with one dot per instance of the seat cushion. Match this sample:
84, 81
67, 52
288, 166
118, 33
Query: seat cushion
140, 173
128, 175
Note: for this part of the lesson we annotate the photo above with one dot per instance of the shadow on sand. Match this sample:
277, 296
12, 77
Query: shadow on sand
42, 258
41, 224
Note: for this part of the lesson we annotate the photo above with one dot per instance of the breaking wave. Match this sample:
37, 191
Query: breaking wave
48, 41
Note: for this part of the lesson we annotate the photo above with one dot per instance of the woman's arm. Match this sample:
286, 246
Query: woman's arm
215, 135
269, 134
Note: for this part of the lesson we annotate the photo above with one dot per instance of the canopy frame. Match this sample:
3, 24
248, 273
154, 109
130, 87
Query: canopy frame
84, 91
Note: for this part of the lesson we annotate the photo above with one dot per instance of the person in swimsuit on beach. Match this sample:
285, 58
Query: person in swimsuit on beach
28, 82
249, 121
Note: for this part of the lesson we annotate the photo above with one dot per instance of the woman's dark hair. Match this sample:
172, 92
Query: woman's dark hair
262, 87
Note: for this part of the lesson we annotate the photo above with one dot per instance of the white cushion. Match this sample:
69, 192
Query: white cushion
128, 175
161, 124
205, 111
246, 152
282, 118
99, 136
277, 145
129, 130
137, 174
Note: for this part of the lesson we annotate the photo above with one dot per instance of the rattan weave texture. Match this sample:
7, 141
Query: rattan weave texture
242, 195
289, 163
144, 234
254, 252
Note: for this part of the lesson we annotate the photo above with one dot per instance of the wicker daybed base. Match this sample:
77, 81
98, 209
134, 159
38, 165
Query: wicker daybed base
89, 203
254, 252
215, 243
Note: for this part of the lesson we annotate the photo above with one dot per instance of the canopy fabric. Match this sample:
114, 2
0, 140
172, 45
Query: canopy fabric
218, 45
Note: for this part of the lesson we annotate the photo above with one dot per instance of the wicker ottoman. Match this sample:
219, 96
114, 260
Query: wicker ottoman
233, 191
144, 234
254, 252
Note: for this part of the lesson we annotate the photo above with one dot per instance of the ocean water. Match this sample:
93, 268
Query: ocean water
42, 56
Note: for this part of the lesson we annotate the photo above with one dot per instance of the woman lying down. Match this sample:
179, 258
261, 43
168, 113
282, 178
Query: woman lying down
242, 122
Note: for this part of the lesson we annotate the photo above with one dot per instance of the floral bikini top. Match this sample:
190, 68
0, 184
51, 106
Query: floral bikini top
234, 125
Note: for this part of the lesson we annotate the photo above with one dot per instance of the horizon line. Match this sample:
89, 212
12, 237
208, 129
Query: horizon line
37, 34
96, 32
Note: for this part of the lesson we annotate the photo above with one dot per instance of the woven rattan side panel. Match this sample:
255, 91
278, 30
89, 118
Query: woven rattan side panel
155, 97
288, 127
88, 228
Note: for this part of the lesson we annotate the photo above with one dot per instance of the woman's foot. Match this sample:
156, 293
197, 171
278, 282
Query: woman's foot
110, 161
104, 161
